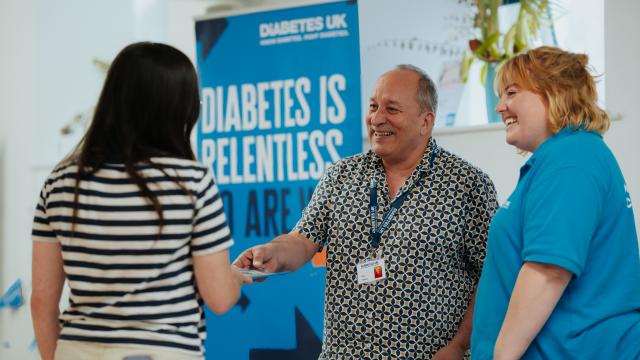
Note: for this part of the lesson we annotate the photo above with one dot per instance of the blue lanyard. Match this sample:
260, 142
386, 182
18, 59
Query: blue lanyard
376, 231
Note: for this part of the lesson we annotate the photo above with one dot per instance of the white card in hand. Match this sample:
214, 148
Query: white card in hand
257, 274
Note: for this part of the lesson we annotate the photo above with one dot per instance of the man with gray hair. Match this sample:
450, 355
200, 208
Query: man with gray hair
405, 227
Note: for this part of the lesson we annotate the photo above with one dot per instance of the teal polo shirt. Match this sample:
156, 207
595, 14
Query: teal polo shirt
570, 208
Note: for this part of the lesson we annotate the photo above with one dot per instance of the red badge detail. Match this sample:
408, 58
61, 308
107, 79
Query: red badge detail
377, 271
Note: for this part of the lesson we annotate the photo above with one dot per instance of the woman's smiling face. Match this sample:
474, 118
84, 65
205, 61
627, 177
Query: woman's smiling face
525, 115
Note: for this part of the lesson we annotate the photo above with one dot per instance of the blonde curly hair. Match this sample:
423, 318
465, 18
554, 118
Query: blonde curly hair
564, 81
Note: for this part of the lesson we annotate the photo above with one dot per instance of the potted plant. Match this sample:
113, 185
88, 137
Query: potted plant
493, 47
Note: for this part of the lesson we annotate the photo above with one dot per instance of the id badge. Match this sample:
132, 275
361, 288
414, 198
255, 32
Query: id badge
371, 270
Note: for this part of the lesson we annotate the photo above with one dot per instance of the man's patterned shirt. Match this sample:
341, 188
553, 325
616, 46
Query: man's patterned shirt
433, 250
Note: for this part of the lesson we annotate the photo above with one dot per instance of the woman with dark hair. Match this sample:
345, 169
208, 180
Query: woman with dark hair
561, 279
134, 224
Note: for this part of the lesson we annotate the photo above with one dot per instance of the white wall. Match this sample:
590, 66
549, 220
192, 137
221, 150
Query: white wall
181, 24
622, 51
47, 77
17, 120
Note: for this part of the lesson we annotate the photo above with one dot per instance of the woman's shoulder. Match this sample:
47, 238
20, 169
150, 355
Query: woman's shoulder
63, 170
187, 171
179, 163
583, 149
582, 153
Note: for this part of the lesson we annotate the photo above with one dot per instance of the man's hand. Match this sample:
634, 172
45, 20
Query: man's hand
242, 279
449, 352
259, 257
287, 252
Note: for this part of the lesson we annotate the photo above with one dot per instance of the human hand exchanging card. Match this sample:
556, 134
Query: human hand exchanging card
258, 263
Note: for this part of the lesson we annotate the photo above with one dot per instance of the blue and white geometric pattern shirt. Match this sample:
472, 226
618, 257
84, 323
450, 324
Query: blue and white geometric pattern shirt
433, 250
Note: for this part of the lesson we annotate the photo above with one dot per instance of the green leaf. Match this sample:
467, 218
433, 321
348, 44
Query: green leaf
483, 72
508, 42
497, 47
488, 45
465, 64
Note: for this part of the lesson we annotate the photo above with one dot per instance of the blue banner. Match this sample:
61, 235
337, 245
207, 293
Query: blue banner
280, 103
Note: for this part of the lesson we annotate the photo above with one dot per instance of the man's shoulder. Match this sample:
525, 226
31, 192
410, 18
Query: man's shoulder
355, 162
457, 165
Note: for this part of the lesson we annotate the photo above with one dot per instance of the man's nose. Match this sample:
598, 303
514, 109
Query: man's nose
376, 117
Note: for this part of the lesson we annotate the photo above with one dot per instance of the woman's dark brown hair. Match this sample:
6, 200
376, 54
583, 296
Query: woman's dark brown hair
147, 108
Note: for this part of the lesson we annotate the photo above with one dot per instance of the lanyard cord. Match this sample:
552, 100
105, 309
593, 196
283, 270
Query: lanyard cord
376, 231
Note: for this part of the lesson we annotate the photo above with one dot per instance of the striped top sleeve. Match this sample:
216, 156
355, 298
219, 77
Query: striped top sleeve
210, 230
42, 230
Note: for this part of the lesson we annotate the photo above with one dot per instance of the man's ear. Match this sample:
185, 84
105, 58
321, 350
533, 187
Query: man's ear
428, 120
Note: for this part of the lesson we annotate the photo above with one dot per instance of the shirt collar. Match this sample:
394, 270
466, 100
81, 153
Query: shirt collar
424, 162
563, 133
547, 144
422, 168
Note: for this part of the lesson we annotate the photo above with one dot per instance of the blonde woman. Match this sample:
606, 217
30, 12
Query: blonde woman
562, 275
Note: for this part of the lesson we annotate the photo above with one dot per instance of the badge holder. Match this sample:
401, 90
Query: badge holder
372, 270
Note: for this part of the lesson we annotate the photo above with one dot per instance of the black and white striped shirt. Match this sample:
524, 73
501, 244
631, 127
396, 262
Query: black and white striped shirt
129, 283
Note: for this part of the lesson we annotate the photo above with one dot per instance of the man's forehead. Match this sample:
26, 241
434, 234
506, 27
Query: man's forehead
395, 86
386, 98
399, 75
398, 78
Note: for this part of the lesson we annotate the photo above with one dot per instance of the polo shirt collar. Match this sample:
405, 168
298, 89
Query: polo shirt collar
547, 144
